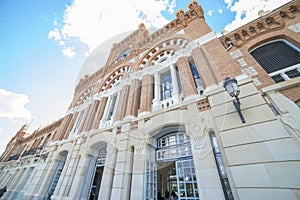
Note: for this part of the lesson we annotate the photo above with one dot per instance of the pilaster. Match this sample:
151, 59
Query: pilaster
186, 77
146, 93
100, 112
108, 173
122, 103
175, 92
134, 98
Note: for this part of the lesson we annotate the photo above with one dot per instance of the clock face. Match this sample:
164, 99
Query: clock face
124, 54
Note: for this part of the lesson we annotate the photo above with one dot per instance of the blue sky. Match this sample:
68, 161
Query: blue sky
44, 43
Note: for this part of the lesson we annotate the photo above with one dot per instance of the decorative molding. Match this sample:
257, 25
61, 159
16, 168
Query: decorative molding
275, 20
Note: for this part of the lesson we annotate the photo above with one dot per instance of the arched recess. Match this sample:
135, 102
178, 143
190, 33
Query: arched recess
170, 164
59, 166
85, 95
114, 77
95, 170
278, 57
173, 44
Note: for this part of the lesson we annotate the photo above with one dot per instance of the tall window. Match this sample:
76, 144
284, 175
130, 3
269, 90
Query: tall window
197, 79
112, 107
178, 80
166, 86
279, 58
221, 168
78, 121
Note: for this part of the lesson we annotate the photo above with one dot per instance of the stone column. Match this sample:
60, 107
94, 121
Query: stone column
64, 126
61, 186
47, 172
146, 93
134, 98
108, 173
72, 168
84, 118
122, 103
70, 126
93, 115
99, 112
80, 186
137, 182
122, 172
186, 77
156, 104
175, 92
88, 116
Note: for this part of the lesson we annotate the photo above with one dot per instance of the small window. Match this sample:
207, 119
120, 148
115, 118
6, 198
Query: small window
124, 55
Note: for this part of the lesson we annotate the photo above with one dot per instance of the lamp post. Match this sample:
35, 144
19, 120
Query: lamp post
230, 84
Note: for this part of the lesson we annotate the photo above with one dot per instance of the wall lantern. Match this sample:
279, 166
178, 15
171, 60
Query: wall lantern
230, 84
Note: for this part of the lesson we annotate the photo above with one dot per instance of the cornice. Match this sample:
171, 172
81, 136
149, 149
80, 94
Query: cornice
273, 21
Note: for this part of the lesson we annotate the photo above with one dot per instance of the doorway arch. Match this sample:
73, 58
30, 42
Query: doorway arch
57, 172
171, 166
99, 152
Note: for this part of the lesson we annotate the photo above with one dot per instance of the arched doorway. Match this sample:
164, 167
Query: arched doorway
58, 170
172, 169
98, 172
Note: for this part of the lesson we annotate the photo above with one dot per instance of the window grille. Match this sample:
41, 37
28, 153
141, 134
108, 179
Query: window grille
278, 56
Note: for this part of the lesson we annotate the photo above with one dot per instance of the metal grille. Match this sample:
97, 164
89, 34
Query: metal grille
293, 73
276, 56
278, 78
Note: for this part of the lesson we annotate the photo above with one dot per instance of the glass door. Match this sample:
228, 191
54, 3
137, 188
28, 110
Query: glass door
151, 181
186, 180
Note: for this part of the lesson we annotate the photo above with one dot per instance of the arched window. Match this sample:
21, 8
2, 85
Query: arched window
173, 167
221, 168
196, 76
279, 58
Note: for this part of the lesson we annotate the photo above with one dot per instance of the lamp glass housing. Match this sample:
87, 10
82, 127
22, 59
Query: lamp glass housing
230, 84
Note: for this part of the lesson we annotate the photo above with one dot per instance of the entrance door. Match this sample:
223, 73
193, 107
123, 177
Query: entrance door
55, 178
95, 187
186, 180
98, 173
151, 181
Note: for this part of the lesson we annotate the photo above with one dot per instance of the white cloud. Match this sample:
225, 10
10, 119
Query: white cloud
13, 105
94, 21
69, 52
246, 13
220, 10
54, 34
61, 43
210, 12
229, 3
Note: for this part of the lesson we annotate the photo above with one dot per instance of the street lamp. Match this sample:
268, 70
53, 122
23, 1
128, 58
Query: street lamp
230, 84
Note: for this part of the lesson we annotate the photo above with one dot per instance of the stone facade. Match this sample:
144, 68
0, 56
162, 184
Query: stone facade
156, 117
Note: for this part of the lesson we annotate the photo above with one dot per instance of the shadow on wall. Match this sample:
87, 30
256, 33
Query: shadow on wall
2, 191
